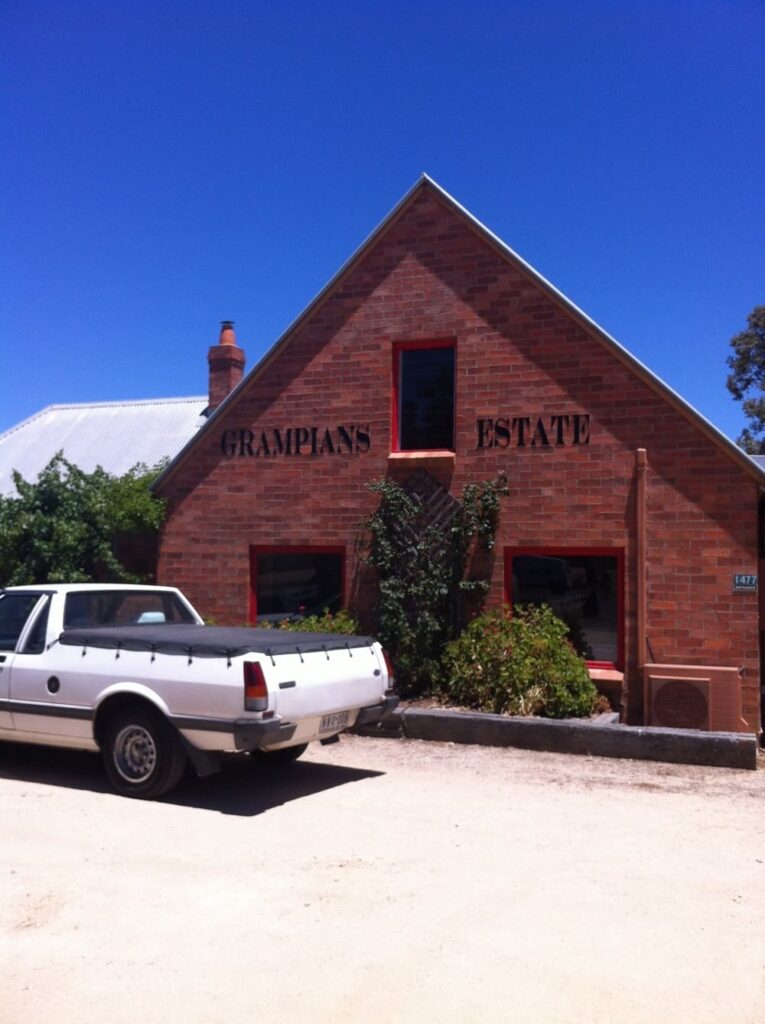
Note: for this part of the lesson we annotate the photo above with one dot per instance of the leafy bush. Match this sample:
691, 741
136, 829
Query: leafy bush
67, 525
328, 622
520, 665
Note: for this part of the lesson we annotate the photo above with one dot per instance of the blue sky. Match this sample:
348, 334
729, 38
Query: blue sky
167, 165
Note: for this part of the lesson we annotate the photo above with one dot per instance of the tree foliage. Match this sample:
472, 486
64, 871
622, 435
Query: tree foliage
65, 526
746, 382
422, 574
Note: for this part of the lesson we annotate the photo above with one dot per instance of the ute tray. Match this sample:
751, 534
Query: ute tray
209, 641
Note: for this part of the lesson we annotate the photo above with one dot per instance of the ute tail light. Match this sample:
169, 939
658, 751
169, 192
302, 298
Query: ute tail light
255, 689
389, 667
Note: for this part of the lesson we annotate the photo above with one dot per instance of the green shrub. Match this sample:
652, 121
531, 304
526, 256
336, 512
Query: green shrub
74, 527
520, 665
328, 622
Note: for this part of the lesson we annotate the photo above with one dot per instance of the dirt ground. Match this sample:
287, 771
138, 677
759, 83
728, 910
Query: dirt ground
384, 881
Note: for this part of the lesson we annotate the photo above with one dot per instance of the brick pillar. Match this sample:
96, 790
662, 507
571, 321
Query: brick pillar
226, 362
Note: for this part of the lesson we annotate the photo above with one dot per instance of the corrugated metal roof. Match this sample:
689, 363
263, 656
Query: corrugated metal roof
114, 435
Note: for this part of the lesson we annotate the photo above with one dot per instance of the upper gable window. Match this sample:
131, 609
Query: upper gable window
423, 386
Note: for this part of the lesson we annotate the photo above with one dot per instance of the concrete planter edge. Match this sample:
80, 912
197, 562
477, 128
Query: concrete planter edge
599, 737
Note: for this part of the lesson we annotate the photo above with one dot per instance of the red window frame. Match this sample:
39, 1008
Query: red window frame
509, 553
289, 549
408, 346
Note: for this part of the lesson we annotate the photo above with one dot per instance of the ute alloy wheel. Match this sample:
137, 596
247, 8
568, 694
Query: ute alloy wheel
143, 755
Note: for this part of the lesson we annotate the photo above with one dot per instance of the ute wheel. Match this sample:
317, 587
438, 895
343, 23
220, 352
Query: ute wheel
285, 755
143, 754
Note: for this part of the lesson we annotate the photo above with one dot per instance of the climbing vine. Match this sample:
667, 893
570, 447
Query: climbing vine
428, 572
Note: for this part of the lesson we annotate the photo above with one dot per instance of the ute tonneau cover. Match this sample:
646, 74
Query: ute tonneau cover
209, 641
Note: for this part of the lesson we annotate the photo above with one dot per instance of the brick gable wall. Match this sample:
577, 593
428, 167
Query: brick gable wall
518, 354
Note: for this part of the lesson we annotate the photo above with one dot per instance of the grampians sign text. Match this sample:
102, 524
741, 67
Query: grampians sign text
351, 439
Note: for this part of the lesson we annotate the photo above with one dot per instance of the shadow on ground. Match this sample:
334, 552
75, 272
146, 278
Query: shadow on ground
243, 787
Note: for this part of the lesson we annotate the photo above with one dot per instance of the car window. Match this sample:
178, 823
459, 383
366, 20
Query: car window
83, 609
35, 642
14, 612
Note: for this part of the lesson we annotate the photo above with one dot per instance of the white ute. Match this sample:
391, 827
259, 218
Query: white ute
133, 671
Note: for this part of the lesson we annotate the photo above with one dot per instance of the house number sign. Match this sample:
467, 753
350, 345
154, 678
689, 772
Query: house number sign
744, 583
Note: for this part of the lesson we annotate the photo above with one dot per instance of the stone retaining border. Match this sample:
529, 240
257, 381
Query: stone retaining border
600, 737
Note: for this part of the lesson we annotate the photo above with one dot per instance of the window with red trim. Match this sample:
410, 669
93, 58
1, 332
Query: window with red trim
294, 581
423, 396
584, 587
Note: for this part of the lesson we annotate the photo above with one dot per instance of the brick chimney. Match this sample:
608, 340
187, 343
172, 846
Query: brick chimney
226, 362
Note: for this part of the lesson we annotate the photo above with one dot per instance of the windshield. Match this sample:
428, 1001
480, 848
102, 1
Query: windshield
84, 609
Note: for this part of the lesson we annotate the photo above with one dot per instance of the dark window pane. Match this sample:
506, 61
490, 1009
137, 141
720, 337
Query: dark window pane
14, 612
298, 583
83, 609
426, 399
582, 590
36, 640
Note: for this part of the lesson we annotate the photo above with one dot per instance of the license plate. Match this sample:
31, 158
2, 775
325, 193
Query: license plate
332, 723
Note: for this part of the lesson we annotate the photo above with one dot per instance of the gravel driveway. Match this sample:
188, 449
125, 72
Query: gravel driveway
384, 881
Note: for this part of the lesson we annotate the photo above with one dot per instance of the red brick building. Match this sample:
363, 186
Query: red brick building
437, 348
